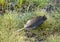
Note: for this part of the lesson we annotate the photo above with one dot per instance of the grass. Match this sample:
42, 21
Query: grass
53, 38
9, 23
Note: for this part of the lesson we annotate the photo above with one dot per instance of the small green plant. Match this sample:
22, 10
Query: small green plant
53, 39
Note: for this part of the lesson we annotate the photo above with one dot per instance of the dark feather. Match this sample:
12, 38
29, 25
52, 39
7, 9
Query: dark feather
36, 21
